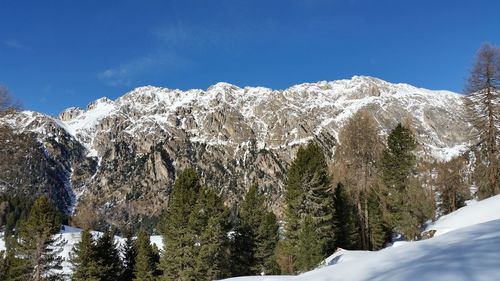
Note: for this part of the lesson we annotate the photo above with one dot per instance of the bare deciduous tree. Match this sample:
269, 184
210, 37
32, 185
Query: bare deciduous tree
7, 102
483, 107
356, 160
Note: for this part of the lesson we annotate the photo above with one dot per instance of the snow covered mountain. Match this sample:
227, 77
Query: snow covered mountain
466, 246
121, 156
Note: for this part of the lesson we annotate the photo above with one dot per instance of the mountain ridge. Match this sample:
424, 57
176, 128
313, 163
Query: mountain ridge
134, 145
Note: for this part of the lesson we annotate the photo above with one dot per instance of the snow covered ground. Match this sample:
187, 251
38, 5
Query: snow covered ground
466, 246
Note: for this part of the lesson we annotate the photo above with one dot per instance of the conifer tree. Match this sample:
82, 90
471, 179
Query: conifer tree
346, 231
129, 253
37, 246
145, 266
377, 228
308, 247
256, 236
83, 259
404, 194
107, 257
209, 225
267, 240
307, 193
176, 237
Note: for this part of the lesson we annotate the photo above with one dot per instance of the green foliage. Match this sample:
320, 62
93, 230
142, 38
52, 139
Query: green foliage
129, 253
256, 237
346, 230
208, 226
377, 230
84, 259
308, 246
267, 240
195, 238
145, 261
13, 209
307, 194
107, 257
176, 237
398, 159
37, 249
406, 199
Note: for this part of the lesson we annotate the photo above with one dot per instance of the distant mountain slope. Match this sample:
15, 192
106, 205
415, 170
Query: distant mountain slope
470, 251
128, 151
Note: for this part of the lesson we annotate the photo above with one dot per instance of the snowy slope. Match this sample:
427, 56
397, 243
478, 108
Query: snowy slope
467, 248
474, 213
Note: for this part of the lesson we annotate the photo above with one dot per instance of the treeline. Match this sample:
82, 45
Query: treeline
372, 193
203, 240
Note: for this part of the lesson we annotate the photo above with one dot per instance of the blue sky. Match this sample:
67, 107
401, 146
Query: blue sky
56, 54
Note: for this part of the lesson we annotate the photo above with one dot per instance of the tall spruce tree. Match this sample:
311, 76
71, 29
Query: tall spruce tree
83, 259
378, 232
129, 253
404, 195
107, 257
256, 235
37, 247
208, 226
482, 104
308, 247
346, 230
267, 239
307, 194
145, 264
176, 236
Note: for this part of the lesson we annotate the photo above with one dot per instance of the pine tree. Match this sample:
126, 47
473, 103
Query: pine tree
37, 245
209, 225
129, 253
267, 240
307, 194
405, 195
242, 250
145, 266
176, 237
377, 229
308, 247
346, 231
483, 90
83, 259
257, 236
107, 257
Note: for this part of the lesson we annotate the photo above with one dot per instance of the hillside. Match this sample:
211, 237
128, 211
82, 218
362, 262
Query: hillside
120, 157
466, 247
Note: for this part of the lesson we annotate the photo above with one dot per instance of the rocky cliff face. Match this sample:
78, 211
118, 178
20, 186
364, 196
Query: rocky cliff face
122, 156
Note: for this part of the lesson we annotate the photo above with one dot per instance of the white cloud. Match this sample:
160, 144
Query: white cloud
123, 74
15, 44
